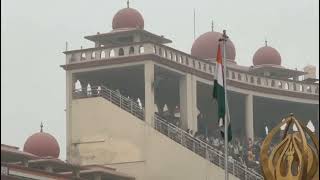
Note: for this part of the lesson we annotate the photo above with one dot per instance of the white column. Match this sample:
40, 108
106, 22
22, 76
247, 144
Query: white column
194, 120
149, 92
186, 104
249, 116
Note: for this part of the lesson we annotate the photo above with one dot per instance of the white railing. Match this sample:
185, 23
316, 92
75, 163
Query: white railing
173, 132
184, 59
112, 96
204, 150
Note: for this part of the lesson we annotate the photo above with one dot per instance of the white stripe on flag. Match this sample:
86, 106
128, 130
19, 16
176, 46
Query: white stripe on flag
219, 75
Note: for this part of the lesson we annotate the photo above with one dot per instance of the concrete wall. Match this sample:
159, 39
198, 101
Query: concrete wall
102, 133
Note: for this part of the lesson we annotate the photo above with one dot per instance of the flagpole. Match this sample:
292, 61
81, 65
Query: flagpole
224, 39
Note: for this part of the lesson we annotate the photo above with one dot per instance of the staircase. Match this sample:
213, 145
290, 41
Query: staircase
171, 131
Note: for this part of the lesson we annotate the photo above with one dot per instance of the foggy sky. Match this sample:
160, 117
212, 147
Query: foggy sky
34, 33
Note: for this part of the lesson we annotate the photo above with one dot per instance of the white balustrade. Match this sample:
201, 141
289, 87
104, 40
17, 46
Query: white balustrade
105, 53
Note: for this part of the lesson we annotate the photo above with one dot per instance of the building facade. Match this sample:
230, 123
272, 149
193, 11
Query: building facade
123, 95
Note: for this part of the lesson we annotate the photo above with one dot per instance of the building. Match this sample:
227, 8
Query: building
39, 160
106, 125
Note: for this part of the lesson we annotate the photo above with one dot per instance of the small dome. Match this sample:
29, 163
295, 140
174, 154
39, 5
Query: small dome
42, 144
206, 46
266, 55
127, 18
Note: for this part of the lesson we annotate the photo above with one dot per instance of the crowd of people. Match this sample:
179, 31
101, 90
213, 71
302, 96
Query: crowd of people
245, 151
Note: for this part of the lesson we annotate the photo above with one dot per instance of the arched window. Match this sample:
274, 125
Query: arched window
300, 87
251, 79
210, 69
103, 55
93, 55
170, 55
194, 63
111, 54
165, 53
180, 59
83, 56
279, 84
141, 49
199, 65
131, 50
121, 52
233, 75
239, 77
227, 74
308, 88
72, 59
154, 50
187, 61
272, 83
286, 86
204, 67
258, 80
177, 58
160, 52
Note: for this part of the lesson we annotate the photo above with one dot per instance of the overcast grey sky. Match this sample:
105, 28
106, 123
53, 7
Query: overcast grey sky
34, 33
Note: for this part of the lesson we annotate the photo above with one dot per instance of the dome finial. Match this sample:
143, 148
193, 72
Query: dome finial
41, 127
212, 26
265, 42
128, 2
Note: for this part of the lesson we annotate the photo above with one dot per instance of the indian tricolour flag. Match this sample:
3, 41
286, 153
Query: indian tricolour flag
219, 94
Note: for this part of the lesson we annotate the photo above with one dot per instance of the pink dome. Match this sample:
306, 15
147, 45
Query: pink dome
42, 144
127, 18
266, 55
206, 46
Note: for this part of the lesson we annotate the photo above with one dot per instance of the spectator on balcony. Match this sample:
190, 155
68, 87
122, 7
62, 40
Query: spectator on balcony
216, 143
98, 90
191, 133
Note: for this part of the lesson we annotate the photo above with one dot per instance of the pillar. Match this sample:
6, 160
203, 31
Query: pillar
185, 101
188, 103
194, 120
249, 116
149, 92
